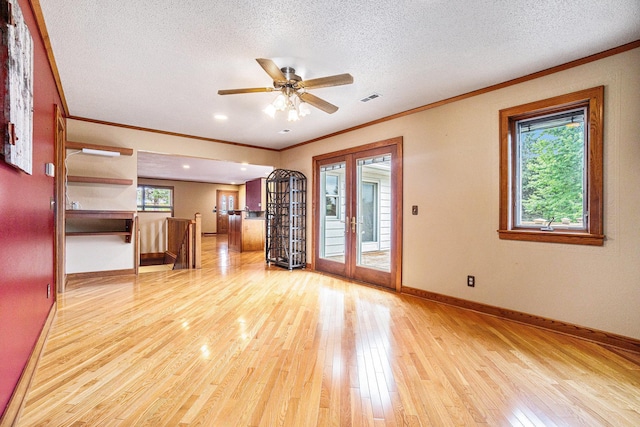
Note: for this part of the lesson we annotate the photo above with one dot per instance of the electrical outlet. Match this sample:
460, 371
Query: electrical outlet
471, 281
48, 290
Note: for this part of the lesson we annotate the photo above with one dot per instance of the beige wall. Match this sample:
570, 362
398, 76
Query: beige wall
102, 196
451, 172
153, 232
192, 197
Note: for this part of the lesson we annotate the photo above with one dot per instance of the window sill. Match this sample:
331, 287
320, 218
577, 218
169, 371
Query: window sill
553, 237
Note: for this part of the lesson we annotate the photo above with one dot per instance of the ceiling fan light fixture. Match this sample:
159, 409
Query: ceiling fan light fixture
303, 109
293, 97
292, 116
289, 102
270, 111
280, 103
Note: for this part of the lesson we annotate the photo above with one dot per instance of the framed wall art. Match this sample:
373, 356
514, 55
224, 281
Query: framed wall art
18, 90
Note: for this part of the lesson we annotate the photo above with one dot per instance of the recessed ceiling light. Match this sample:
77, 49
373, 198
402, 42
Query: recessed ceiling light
186, 166
243, 169
233, 183
220, 117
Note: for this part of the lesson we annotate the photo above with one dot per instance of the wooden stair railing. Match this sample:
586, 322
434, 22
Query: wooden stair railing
182, 258
184, 239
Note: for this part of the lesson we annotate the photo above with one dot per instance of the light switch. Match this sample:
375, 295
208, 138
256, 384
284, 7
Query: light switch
414, 210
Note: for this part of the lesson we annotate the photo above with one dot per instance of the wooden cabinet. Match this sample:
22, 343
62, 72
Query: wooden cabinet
245, 234
255, 194
234, 233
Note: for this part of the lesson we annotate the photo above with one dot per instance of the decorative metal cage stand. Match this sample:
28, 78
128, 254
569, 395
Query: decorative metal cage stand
286, 219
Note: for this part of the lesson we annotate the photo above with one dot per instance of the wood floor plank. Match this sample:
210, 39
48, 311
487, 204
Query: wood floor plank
239, 343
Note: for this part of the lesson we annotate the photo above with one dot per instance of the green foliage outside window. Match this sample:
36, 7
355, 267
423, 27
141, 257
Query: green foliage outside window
158, 199
552, 173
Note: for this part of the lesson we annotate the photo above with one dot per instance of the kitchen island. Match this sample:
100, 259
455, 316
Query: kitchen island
246, 231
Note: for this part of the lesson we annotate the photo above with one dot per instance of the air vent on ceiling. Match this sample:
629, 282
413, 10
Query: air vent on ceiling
283, 131
371, 97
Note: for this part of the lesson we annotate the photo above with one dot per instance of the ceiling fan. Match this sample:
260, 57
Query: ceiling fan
286, 81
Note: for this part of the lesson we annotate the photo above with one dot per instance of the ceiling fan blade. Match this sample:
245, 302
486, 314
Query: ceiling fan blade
337, 80
247, 90
319, 103
272, 69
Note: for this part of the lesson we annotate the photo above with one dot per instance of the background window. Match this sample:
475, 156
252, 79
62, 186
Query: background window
551, 170
155, 198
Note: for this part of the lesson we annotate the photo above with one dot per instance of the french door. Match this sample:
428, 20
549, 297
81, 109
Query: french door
358, 220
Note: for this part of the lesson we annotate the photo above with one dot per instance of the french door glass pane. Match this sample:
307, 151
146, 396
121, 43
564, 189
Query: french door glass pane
332, 212
369, 212
223, 208
374, 212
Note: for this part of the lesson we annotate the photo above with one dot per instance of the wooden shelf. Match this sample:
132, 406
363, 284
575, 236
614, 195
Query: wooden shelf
97, 180
70, 145
100, 233
79, 213
100, 223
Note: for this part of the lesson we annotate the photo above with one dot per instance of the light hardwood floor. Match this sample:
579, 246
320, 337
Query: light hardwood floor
240, 344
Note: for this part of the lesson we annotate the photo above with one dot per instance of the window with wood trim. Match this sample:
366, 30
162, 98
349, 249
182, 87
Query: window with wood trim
551, 179
154, 198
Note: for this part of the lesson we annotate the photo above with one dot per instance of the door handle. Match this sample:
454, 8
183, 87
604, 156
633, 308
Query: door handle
353, 223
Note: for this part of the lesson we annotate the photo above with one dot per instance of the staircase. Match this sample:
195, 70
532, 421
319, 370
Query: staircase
184, 242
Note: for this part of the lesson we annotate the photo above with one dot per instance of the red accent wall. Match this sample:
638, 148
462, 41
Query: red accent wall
27, 227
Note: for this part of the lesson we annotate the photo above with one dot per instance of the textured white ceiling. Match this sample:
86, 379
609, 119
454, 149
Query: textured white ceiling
159, 63
183, 168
